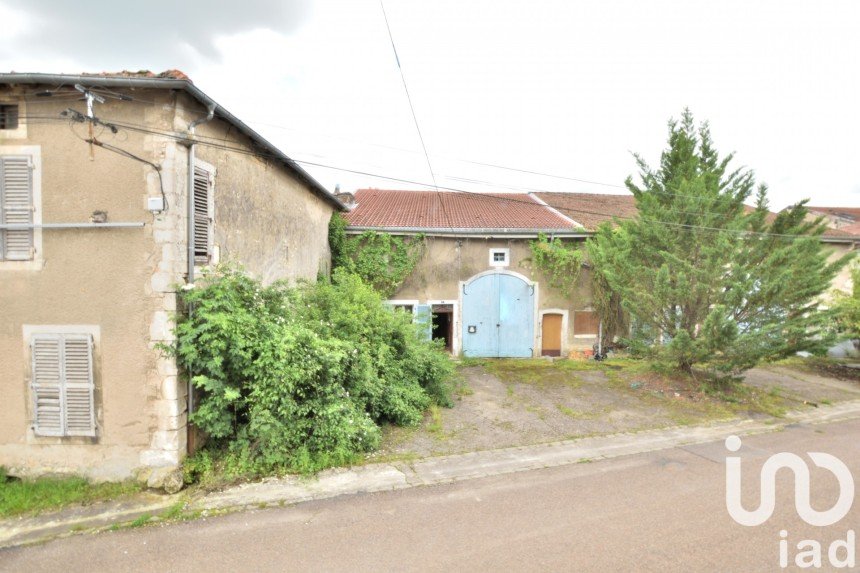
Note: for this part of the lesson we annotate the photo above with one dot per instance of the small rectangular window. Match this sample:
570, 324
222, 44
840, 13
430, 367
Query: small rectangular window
500, 257
8, 116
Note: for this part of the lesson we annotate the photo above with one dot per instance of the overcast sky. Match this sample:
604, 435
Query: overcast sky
566, 88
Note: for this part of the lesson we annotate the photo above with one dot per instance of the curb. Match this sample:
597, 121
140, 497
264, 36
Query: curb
426, 472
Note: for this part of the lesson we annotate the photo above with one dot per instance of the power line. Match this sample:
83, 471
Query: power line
525, 189
483, 196
412, 109
136, 99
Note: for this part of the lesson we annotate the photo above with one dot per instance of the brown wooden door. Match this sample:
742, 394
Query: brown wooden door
551, 335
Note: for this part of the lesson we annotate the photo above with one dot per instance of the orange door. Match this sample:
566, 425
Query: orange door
551, 335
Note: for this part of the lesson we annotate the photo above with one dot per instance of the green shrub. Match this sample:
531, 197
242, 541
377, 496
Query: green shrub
300, 378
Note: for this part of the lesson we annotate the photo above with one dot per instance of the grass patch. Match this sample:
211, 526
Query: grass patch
459, 387
175, 511
140, 521
29, 497
211, 469
580, 414
435, 426
466, 362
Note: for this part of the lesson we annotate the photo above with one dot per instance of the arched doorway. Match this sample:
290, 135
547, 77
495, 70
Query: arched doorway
498, 315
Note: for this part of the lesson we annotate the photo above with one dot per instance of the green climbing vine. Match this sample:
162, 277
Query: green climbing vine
560, 262
382, 260
607, 303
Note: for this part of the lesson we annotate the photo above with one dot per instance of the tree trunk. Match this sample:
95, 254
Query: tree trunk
685, 367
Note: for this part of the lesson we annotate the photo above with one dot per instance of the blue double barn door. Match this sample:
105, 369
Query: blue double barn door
498, 317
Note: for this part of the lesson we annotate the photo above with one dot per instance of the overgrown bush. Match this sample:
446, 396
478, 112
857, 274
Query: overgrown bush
299, 378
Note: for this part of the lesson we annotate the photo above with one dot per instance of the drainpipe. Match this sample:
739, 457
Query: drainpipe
191, 128
190, 235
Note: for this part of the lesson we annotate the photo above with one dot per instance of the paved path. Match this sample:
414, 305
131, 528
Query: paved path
658, 511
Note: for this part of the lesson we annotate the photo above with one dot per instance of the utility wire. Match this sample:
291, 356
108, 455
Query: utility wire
484, 196
412, 109
136, 99
520, 188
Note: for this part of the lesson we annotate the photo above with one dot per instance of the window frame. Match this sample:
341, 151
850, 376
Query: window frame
506, 252
400, 303
4, 114
20, 132
35, 154
29, 331
210, 246
576, 333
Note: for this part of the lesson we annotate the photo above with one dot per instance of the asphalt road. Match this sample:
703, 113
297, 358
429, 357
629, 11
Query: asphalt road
663, 511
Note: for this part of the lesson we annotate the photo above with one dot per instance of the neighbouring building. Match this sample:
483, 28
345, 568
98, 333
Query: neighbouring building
94, 243
592, 209
476, 275
842, 237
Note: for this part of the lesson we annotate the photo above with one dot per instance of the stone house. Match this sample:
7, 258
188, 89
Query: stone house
842, 236
95, 214
475, 276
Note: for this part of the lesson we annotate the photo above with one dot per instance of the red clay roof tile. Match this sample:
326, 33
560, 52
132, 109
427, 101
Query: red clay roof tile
452, 210
591, 209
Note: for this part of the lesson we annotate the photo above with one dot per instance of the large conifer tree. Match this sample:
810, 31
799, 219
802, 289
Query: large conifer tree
716, 281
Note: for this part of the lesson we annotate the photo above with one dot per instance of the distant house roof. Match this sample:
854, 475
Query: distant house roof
174, 80
843, 221
849, 213
592, 209
454, 212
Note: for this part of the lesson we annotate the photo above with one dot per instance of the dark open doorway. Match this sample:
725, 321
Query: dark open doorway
443, 324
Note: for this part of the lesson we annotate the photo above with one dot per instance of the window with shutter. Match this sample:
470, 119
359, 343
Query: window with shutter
16, 207
203, 182
47, 385
62, 385
585, 323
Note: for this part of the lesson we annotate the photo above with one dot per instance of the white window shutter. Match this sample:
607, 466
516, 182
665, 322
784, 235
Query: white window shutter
47, 384
16, 207
63, 385
78, 385
202, 215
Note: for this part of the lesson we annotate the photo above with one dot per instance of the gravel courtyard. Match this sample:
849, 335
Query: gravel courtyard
504, 403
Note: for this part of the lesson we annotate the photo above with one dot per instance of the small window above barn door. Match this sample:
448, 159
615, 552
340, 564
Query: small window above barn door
500, 257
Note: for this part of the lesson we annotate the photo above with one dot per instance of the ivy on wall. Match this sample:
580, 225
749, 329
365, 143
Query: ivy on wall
562, 264
382, 260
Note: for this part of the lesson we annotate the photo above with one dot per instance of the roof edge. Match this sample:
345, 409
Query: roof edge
471, 231
195, 92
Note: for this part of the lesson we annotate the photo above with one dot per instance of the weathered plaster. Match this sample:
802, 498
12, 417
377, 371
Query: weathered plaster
448, 262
